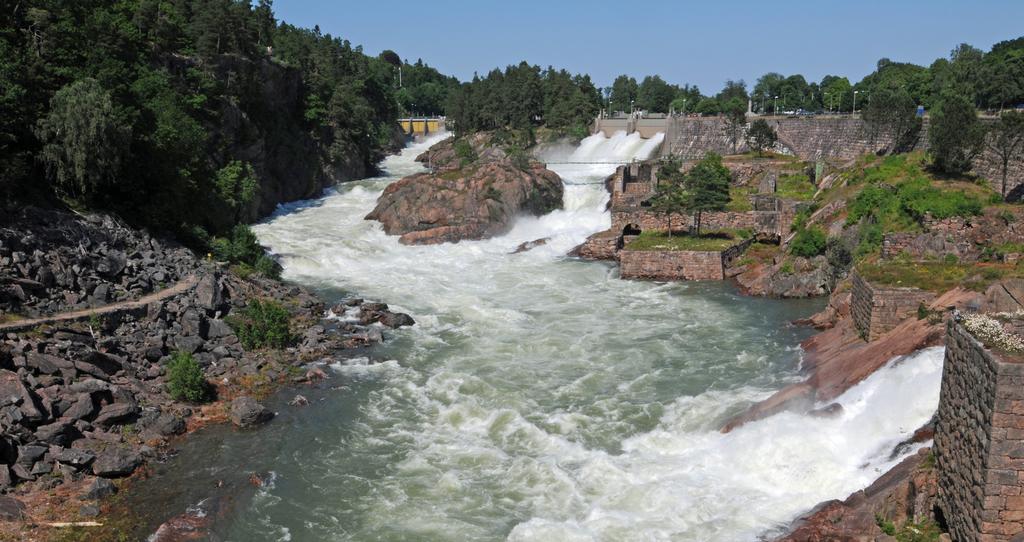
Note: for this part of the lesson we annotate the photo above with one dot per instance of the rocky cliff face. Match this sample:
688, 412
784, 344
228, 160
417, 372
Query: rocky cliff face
270, 132
475, 202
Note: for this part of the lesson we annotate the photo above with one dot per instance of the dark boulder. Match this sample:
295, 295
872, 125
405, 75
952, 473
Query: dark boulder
74, 457
396, 320
247, 412
117, 413
100, 488
11, 509
116, 462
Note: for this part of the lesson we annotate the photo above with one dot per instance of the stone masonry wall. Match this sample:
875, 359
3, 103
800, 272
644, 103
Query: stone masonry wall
771, 223
930, 245
876, 310
979, 441
678, 264
670, 265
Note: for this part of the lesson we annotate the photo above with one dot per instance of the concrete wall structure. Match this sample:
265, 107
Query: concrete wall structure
979, 441
876, 309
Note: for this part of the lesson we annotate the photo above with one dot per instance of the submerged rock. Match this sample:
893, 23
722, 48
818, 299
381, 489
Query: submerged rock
530, 245
475, 202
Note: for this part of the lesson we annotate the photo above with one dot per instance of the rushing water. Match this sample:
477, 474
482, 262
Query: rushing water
540, 397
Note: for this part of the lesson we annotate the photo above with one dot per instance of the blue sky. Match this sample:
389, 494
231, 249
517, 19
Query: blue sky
701, 43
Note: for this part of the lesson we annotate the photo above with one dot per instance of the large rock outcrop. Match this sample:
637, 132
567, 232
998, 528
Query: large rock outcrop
475, 202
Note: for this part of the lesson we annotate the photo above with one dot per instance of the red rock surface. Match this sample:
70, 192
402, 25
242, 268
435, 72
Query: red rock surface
475, 202
905, 493
838, 358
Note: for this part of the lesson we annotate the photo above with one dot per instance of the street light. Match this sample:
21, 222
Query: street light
775, 108
855, 102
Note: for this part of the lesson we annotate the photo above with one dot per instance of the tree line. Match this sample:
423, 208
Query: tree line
990, 81
150, 108
522, 97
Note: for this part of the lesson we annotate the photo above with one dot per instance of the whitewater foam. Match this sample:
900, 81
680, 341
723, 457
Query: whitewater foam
541, 398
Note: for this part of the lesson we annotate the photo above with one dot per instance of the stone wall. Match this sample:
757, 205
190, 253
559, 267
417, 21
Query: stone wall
765, 223
823, 137
979, 441
929, 246
678, 264
600, 246
877, 309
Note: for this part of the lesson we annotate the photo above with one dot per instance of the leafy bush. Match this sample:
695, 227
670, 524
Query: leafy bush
871, 235
185, 380
918, 198
838, 255
241, 247
465, 153
264, 324
808, 242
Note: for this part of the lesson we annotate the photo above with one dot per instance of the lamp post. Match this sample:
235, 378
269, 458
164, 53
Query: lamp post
855, 102
632, 108
684, 107
775, 108
762, 104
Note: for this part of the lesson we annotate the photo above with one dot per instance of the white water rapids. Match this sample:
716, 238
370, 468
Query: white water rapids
541, 398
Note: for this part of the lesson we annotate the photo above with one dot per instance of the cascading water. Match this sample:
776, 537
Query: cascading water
541, 398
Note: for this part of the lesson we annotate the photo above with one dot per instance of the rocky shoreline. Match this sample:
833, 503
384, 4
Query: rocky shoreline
93, 314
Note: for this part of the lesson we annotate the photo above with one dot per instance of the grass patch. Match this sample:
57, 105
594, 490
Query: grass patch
897, 192
936, 276
739, 199
759, 252
795, 187
8, 318
708, 242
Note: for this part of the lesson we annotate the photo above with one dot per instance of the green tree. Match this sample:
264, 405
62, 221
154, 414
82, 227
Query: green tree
761, 136
891, 112
1006, 140
624, 90
735, 123
237, 187
955, 134
670, 196
654, 94
706, 188
84, 142
734, 90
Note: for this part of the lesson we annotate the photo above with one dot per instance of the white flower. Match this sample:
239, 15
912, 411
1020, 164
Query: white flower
990, 331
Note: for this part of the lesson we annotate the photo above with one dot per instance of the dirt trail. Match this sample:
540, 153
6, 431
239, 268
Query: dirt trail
180, 287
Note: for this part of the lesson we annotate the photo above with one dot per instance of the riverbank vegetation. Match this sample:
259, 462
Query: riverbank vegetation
186, 116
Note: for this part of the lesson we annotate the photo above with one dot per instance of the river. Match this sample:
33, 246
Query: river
540, 397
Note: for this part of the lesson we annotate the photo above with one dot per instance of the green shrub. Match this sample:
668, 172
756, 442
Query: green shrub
264, 324
185, 380
464, 151
268, 267
243, 248
919, 197
808, 243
